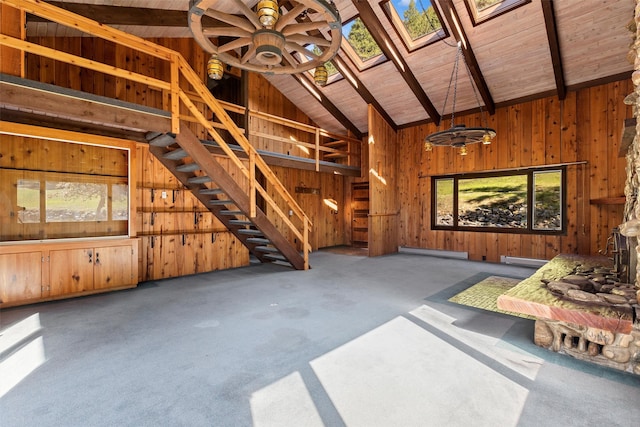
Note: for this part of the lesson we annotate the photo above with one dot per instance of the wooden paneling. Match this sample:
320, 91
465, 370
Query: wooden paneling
586, 126
383, 179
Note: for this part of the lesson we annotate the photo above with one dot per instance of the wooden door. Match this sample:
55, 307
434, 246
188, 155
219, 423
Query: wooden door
112, 267
360, 214
71, 271
20, 276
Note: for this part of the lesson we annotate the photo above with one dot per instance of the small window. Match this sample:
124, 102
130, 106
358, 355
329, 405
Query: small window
28, 199
524, 202
359, 45
417, 22
75, 201
120, 202
483, 10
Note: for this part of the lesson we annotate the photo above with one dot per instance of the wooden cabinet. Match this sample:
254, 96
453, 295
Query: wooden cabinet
20, 276
45, 271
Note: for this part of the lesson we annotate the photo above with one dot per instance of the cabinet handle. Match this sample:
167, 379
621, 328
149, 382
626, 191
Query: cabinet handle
97, 258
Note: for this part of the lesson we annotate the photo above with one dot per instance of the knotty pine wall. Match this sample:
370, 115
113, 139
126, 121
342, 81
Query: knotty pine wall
182, 238
586, 126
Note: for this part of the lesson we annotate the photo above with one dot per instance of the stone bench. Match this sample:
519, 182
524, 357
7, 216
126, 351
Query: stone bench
602, 335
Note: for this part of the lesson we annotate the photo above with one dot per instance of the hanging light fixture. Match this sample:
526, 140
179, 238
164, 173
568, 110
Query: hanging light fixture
458, 135
320, 75
215, 68
268, 38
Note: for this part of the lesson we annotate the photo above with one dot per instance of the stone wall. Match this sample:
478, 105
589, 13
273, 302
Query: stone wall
631, 221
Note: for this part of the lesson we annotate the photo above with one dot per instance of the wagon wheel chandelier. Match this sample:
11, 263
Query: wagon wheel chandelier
458, 135
264, 37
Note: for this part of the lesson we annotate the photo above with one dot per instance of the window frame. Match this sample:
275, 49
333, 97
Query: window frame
353, 56
412, 45
529, 229
478, 17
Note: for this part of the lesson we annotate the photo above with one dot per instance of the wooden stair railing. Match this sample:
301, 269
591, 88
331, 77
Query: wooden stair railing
257, 233
267, 244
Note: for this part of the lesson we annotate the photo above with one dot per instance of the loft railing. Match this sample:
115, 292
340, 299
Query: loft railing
179, 68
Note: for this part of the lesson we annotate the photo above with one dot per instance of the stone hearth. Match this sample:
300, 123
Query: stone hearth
590, 328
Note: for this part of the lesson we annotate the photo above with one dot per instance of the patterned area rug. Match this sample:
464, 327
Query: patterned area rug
484, 295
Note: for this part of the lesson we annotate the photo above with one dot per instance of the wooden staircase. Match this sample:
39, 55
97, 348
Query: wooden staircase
183, 153
219, 192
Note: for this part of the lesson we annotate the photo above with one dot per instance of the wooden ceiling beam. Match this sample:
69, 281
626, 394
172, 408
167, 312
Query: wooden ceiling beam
364, 93
554, 47
310, 87
373, 24
453, 20
120, 15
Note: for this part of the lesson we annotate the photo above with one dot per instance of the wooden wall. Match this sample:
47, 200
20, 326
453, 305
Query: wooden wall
178, 235
383, 194
586, 126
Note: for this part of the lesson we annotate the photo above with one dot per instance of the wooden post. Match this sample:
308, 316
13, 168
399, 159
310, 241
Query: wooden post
252, 184
175, 95
317, 149
305, 243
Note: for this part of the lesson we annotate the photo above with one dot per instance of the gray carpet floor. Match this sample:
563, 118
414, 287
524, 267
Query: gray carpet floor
354, 341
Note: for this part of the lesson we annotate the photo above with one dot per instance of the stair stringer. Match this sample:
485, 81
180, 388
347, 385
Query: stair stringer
211, 168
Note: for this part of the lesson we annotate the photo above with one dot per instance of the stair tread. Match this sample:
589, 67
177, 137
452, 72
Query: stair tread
175, 154
231, 212
250, 231
199, 179
210, 191
220, 202
258, 240
163, 140
270, 249
240, 222
188, 167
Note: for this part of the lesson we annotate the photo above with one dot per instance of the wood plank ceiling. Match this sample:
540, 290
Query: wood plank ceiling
539, 48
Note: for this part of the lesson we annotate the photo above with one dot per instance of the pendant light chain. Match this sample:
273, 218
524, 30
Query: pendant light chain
453, 80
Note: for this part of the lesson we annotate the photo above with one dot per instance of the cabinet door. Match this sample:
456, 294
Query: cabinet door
20, 276
71, 271
113, 267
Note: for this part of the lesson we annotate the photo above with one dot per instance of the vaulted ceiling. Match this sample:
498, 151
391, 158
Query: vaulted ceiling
539, 48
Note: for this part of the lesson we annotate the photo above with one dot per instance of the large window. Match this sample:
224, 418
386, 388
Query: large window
68, 191
529, 201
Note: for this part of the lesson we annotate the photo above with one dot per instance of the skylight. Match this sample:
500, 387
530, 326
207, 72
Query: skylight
483, 10
417, 22
360, 45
